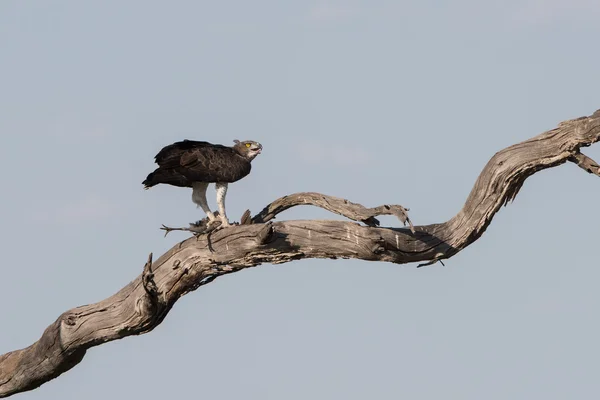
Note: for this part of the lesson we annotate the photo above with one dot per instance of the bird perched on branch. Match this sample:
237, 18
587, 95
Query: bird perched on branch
196, 164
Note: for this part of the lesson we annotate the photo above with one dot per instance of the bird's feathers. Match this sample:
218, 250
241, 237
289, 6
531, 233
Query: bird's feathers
169, 155
182, 163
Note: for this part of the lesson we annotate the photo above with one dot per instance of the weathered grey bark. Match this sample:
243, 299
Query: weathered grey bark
141, 305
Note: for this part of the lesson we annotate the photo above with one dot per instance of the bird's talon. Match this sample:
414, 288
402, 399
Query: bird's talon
224, 221
210, 224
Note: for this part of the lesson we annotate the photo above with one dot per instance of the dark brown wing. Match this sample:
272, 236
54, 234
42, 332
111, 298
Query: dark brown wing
183, 163
170, 155
213, 164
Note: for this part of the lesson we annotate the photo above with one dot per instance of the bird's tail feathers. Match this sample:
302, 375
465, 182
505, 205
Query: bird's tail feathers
149, 181
167, 176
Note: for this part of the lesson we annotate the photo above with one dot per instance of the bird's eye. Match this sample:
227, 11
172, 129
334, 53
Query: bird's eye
248, 144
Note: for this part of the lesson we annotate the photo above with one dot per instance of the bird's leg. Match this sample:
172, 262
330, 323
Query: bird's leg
221, 193
199, 197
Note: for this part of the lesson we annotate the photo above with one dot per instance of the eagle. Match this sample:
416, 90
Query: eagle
196, 164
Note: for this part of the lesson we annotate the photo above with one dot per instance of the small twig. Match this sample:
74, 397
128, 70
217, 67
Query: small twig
585, 163
435, 260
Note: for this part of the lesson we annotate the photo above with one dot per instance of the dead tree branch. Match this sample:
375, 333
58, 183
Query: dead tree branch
141, 305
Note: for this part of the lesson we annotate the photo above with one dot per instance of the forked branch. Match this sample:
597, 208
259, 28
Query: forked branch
141, 305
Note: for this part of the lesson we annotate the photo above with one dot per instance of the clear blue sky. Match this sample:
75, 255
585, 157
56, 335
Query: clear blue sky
375, 101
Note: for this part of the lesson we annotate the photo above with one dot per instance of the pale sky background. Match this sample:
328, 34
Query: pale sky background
375, 101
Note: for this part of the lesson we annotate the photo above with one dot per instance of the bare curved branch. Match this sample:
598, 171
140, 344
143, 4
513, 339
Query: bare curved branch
353, 211
141, 305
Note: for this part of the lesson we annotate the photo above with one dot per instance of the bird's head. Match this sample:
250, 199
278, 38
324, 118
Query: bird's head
247, 149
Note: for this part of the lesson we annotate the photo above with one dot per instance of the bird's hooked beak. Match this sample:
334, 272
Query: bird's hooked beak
258, 148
